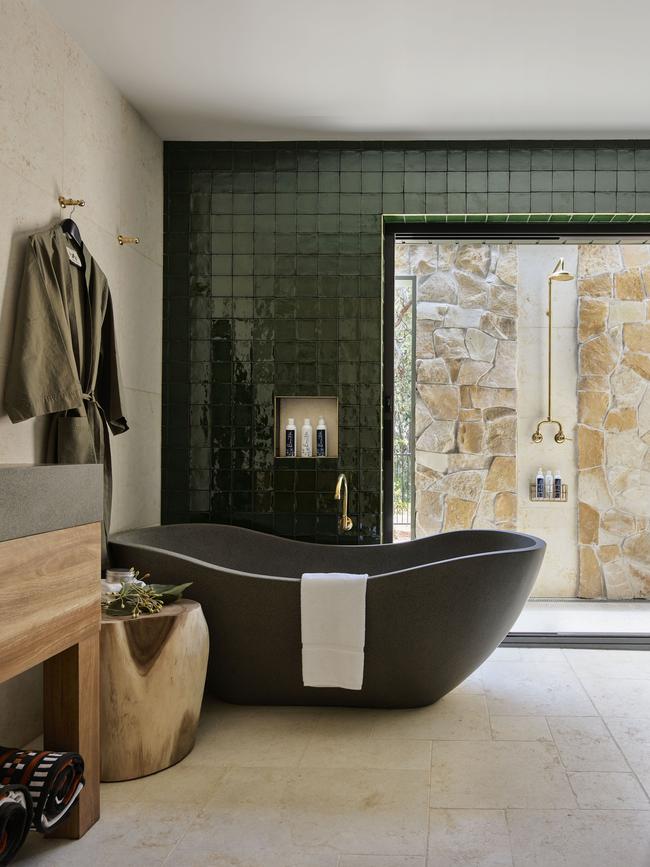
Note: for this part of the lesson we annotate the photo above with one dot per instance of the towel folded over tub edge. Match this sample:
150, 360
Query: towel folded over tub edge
333, 628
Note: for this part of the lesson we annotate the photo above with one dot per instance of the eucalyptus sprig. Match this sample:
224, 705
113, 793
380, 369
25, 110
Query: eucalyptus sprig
136, 598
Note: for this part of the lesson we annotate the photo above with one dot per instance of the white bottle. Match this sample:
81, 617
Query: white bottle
557, 486
306, 435
539, 484
321, 438
548, 485
290, 439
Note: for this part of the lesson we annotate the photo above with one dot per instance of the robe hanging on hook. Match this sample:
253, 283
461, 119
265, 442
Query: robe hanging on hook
72, 203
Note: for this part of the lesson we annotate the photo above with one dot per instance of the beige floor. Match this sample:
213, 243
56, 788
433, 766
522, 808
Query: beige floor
540, 759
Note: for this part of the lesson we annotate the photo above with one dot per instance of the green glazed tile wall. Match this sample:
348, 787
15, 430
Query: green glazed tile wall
273, 285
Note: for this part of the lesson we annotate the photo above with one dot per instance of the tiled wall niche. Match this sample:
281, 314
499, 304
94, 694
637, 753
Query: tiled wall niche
300, 408
273, 286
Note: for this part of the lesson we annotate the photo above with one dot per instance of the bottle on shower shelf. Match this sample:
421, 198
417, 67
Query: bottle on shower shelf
321, 438
548, 485
290, 439
539, 484
306, 437
557, 486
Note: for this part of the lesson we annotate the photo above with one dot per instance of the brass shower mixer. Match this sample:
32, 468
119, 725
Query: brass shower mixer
560, 436
561, 274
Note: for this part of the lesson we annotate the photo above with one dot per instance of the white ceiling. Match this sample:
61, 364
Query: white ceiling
374, 69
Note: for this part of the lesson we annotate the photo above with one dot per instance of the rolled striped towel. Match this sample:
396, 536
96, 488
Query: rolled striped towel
15, 819
54, 781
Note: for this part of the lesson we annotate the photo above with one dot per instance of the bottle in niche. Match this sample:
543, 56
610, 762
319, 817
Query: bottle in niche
548, 485
321, 438
290, 439
539, 484
306, 436
557, 486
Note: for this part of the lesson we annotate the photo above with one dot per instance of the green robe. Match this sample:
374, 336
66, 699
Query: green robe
64, 359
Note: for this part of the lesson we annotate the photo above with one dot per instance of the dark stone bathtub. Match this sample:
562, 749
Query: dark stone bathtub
436, 607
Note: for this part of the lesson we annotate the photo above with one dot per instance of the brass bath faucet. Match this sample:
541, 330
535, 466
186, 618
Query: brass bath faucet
345, 521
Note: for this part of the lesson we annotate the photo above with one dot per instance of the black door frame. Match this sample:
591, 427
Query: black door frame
479, 232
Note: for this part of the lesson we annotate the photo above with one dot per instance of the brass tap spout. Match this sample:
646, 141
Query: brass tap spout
345, 521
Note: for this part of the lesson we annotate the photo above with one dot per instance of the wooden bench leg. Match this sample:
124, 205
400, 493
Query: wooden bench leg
71, 722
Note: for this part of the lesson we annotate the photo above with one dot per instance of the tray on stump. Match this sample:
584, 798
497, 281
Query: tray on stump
152, 678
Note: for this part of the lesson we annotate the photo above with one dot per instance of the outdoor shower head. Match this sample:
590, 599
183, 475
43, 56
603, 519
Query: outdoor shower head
560, 272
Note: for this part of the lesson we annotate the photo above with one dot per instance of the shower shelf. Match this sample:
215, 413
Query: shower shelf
535, 499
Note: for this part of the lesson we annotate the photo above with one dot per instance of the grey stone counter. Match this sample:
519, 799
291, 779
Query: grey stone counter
44, 497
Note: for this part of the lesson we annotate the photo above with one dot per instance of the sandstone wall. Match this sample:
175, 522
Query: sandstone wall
465, 370
614, 421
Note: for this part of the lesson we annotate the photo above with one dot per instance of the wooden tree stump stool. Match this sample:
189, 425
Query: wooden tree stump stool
152, 677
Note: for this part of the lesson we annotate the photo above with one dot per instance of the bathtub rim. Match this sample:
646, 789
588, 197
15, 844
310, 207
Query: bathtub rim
114, 538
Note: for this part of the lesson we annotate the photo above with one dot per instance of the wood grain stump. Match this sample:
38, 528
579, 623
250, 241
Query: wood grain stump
152, 678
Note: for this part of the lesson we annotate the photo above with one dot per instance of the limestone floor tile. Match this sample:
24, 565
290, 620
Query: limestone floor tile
381, 861
384, 812
40, 852
579, 838
186, 782
526, 654
523, 688
255, 737
520, 728
609, 663
245, 819
128, 833
455, 717
468, 838
367, 753
619, 697
585, 744
472, 685
633, 737
602, 791
345, 722
288, 856
498, 774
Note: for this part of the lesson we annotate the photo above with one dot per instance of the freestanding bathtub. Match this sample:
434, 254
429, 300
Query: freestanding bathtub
436, 607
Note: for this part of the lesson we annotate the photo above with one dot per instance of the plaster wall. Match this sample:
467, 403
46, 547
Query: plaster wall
67, 130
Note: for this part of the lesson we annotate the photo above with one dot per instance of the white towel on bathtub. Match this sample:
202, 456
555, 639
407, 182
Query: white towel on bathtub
333, 623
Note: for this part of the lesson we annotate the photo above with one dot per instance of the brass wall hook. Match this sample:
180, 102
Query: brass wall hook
72, 203
127, 239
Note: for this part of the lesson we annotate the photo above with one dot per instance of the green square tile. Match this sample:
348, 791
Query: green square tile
393, 182
242, 242
605, 181
456, 161
350, 161
393, 161
307, 182
351, 182
371, 161
413, 182
476, 182
328, 182
606, 158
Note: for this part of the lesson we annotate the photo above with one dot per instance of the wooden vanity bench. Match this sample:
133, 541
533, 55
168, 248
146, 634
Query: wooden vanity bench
50, 566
